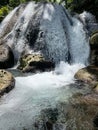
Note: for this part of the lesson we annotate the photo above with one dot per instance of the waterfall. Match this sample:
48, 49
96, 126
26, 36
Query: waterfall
48, 29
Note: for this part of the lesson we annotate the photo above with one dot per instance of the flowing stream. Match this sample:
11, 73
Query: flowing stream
34, 93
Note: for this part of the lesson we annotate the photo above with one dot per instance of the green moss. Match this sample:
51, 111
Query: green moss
27, 59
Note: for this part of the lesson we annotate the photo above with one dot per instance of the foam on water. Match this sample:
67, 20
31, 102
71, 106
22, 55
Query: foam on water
34, 93
62, 75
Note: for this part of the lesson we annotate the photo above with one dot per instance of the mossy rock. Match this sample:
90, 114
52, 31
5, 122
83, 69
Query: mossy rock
7, 81
34, 62
94, 39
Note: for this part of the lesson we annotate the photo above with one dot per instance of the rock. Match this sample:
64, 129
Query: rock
34, 62
96, 88
89, 21
94, 40
7, 81
47, 119
88, 74
82, 112
94, 57
94, 49
88, 99
6, 57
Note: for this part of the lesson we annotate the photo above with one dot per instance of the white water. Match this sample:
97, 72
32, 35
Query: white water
19, 108
70, 36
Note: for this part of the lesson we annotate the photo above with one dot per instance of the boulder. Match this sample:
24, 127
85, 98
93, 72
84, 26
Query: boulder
88, 74
6, 57
34, 62
7, 81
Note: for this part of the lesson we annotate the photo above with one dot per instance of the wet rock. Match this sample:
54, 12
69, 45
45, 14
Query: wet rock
94, 39
96, 88
94, 57
7, 82
34, 62
6, 57
46, 120
87, 99
88, 74
82, 112
94, 48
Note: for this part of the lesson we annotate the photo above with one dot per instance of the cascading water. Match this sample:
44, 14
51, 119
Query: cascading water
48, 29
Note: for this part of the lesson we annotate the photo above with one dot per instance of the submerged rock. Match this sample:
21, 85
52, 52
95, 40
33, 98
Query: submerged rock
7, 81
34, 62
6, 57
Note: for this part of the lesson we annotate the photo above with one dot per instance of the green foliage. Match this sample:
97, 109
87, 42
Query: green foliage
14, 3
3, 12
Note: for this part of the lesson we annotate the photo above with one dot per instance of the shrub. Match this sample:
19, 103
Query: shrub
3, 12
